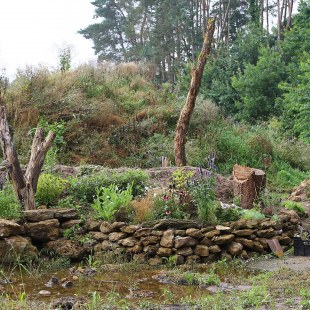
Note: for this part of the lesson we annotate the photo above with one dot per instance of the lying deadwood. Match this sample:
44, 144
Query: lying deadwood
24, 183
172, 223
248, 183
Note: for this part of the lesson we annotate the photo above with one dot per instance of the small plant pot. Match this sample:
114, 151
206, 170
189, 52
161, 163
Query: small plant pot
301, 247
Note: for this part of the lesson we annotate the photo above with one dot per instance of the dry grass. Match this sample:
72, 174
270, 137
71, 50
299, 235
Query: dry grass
144, 206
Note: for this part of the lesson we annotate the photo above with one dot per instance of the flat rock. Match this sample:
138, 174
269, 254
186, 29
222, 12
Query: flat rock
184, 241
65, 214
66, 248
9, 228
223, 239
44, 230
17, 248
202, 250
195, 233
38, 215
106, 227
115, 236
185, 251
234, 248
164, 252
70, 224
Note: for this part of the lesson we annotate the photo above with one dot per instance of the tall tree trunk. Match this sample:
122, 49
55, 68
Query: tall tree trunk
24, 184
267, 16
187, 111
279, 21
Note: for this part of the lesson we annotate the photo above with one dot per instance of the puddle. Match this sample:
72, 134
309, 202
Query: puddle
138, 283
129, 284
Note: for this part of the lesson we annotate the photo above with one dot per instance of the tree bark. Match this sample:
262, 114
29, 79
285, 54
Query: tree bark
248, 183
24, 184
187, 111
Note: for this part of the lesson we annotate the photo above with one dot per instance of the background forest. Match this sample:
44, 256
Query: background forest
253, 107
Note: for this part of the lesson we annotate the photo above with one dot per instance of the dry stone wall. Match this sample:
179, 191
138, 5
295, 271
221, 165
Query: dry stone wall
42, 231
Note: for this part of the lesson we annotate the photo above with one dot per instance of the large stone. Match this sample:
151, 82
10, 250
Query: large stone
167, 239
106, 227
223, 229
234, 248
157, 233
185, 251
212, 233
142, 232
98, 235
43, 231
16, 248
223, 239
202, 250
180, 242
164, 252
214, 249
245, 224
106, 246
150, 240
118, 225
180, 233
66, 214
243, 232
266, 233
130, 229
66, 248
38, 215
205, 241
250, 244
195, 233
284, 239
270, 223
115, 236
70, 223
92, 225
9, 228
128, 242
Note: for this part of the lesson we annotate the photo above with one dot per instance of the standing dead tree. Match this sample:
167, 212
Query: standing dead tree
187, 111
24, 183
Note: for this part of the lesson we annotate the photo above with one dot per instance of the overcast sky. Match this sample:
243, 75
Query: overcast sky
33, 31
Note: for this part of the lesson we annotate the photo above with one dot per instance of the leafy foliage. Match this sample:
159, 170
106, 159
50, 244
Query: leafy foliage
50, 188
258, 86
110, 202
84, 187
9, 206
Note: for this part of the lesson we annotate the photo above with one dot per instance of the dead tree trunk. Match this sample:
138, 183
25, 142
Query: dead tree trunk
24, 184
187, 111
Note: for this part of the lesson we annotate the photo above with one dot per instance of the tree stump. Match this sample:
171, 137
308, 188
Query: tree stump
248, 183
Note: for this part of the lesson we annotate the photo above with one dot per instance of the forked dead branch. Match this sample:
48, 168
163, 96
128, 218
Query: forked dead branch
24, 182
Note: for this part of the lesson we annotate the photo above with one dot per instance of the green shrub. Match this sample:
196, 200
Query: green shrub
168, 206
84, 188
228, 214
9, 206
252, 214
292, 205
50, 188
203, 197
284, 177
111, 203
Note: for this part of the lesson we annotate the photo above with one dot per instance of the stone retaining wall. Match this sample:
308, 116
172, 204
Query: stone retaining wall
42, 231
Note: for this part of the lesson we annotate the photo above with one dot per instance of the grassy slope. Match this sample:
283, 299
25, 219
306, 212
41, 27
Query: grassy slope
116, 116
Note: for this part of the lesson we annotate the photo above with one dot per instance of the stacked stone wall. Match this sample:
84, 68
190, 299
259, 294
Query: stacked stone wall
43, 231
